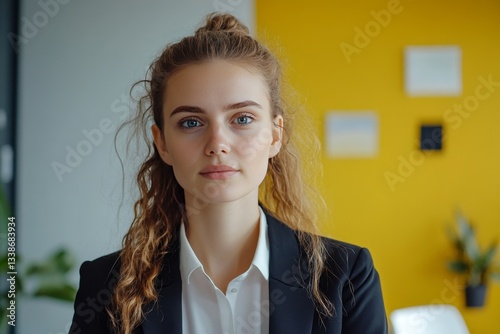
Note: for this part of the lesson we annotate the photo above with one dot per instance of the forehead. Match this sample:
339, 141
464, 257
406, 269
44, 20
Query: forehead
214, 83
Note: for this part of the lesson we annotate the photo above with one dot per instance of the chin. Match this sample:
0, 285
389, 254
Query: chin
222, 196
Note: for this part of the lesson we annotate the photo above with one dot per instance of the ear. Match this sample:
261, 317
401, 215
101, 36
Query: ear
277, 136
160, 144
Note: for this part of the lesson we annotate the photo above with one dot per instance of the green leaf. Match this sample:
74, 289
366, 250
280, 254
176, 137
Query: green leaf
3, 264
59, 262
468, 237
43, 268
458, 266
457, 243
65, 292
489, 255
4, 206
63, 260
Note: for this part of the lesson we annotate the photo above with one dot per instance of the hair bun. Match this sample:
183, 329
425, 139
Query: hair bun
223, 22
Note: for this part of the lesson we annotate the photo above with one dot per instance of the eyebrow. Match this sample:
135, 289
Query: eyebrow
199, 110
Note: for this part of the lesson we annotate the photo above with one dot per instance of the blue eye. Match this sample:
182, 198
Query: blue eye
190, 123
242, 120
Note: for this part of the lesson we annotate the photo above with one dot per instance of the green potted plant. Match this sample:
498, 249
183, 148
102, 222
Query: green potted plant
47, 277
477, 264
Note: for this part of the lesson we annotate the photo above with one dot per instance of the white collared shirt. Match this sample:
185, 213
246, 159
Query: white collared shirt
242, 309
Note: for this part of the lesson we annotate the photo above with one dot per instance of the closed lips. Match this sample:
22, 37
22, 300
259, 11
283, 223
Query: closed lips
218, 172
217, 169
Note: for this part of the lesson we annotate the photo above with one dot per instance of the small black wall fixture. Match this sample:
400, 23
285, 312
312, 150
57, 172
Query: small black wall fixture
431, 137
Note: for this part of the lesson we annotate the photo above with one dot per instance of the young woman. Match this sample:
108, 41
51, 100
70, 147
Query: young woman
205, 253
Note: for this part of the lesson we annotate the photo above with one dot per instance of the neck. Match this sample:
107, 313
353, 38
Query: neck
224, 237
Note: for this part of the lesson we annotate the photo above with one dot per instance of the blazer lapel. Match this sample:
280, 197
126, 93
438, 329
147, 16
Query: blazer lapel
165, 316
291, 310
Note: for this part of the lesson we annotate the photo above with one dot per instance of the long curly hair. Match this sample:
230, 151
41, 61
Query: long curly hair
160, 208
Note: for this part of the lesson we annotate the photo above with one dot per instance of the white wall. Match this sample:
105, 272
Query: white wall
78, 61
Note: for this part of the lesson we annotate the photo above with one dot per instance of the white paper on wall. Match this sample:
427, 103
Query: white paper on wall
433, 70
352, 134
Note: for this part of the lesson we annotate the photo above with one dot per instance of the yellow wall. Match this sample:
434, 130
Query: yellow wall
403, 227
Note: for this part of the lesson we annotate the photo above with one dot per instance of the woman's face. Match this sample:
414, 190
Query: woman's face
218, 131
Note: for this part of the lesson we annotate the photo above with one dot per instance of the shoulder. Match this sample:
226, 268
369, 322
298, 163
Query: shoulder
345, 258
349, 266
98, 279
340, 257
106, 261
102, 269
352, 284
344, 262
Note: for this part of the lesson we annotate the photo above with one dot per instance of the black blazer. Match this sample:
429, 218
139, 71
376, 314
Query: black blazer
350, 282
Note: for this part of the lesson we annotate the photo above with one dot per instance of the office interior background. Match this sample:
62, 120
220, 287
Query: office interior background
78, 60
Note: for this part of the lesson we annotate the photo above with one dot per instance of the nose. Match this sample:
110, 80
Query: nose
217, 141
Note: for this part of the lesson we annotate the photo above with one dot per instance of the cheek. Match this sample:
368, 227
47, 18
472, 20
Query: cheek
180, 158
255, 148
261, 140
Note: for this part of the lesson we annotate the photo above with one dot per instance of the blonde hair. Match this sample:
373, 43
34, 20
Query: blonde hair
160, 207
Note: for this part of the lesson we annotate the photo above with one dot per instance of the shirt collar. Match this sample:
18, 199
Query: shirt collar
261, 257
189, 261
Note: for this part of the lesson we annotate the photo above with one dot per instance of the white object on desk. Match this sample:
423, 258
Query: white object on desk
428, 319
